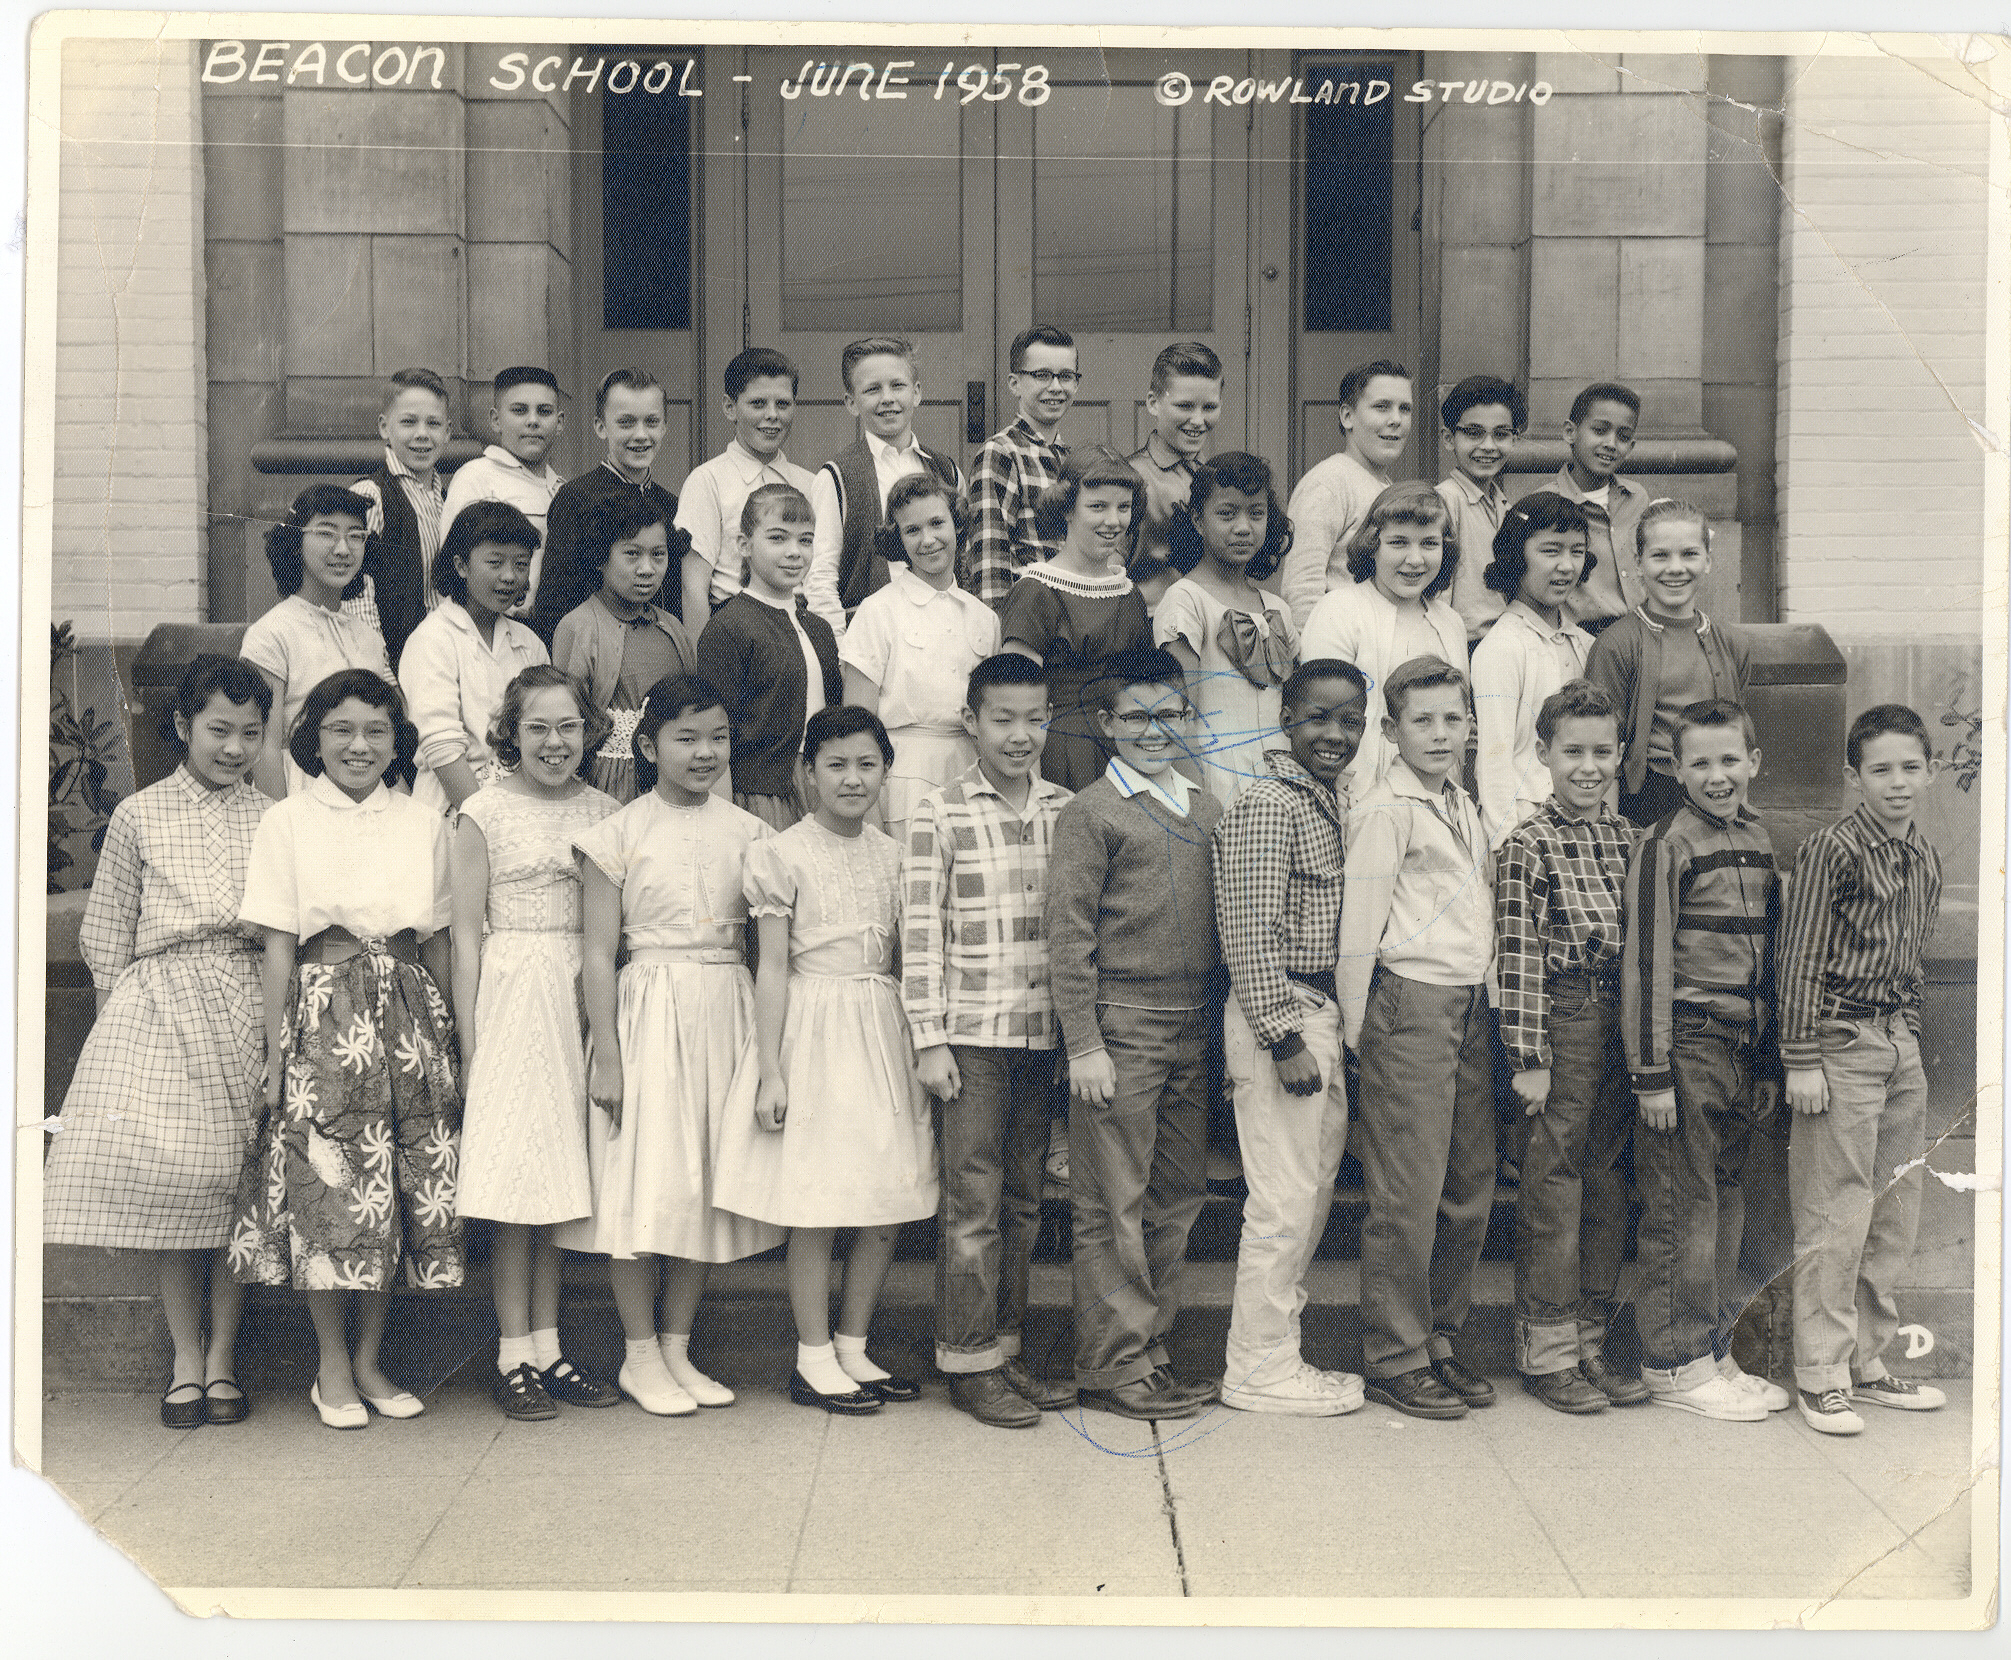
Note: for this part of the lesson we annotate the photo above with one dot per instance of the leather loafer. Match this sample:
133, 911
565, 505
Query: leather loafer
1418, 1394
225, 1409
1566, 1391
894, 1390
183, 1414
854, 1403
1038, 1392
1469, 1386
1618, 1388
987, 1397
1150, 1397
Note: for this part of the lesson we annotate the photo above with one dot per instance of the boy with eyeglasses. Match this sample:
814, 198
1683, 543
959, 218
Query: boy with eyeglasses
1483, 415
1016, 465
1133, 956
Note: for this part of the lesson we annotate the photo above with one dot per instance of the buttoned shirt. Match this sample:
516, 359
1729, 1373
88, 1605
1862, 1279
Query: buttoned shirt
1278, 881
708, 511
497, 475
891, 463
1521, 662
1475, 515
1559, 887
375, 867
1615, 583
918, 645
1006, 480
974, 895
428, 502
1860, 905
171, 869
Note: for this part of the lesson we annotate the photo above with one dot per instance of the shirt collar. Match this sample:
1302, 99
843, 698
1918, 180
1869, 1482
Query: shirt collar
1745, 814
1617, 488
1181, 464
324, 790
1402, 781
1024, 430
1476, 494
1169, 787
902, 579
192, 787
1876, 834
749, 466
883, 452
1601, 815
503, 458
1526, 615
976, 783
1285, 765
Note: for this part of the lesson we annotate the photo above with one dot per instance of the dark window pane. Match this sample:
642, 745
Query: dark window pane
646, 201
1349, 193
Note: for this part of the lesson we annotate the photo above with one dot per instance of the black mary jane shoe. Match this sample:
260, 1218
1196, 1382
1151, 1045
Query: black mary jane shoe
894, 1390
564, 1381
225, 1409
857, 1404
182, 1414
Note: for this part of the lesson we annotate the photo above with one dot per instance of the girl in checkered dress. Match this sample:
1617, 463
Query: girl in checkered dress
154, 1127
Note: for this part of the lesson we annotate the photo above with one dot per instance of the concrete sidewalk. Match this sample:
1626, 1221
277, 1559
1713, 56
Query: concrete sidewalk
1516, 1502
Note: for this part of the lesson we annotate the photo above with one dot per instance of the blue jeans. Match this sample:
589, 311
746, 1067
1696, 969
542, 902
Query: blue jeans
993, 1137
1693, 1206
1854, 1219
1571, 1214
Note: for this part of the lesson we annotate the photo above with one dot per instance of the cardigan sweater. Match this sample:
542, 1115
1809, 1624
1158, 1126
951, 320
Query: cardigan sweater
589, 639
395, 564
1626, 660
749, 652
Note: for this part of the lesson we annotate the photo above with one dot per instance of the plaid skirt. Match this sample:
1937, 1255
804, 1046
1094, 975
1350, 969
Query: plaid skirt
162, 1104
352, 1177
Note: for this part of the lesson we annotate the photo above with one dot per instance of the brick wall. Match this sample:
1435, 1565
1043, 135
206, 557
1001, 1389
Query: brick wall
131, 439
1883, 244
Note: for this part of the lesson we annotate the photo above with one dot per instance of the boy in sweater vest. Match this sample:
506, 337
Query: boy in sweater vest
1133, 955
849, 497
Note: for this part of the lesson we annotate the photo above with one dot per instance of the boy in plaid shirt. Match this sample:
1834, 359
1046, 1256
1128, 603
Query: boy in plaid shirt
1559, 880
1016, 465
976, 988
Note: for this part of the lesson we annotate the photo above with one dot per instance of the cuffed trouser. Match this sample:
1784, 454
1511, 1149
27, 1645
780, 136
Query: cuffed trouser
1292, 1146
1571, 1212
1427, 1150
1855, 1219
993, 1137
1693, 1206
1138, 1173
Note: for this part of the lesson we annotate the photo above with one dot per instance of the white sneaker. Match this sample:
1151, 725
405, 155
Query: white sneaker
1829, 1413
1307, 1393
1769, 1394
1900, 1393
1714, 1398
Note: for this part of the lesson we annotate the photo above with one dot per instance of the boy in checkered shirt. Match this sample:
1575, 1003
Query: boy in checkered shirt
1559, 891
976, 988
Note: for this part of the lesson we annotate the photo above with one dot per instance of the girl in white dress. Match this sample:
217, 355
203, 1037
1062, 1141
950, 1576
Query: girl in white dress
517, 1011
833, 1129
165, 1094
661, 879
1234, 639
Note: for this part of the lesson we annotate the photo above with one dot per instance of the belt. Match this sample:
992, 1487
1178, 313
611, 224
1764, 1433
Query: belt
1320, 980
729, 954
339, 945
1858, 1008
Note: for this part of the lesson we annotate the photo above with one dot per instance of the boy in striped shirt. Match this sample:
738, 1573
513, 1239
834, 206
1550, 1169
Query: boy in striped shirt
1861, 903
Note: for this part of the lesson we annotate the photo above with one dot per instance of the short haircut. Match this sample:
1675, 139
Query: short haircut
1417, 674
525, 374
401, 381
478, 522
303, 743
630, 380
1184, 357
1664, 508
843, 720
1711, 713
1041, 334
1610, 391
282, 541
1537, 512
1135, 666
207, 677
618, 519
905, 492
1006, 668
757, 363
670, 699
788, 503
1321, 668
1356, 381
1575, 700
509, 716
1476, 392
1093, 467
1879, 720
1233, 470
874, 345
1413, 502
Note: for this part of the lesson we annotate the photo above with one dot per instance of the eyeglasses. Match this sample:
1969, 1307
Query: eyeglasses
1134, 721
1475, 435
341, 732
330, 535
538, 731
1050, 377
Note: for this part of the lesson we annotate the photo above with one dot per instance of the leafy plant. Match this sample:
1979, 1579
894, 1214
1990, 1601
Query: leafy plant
1965, 756
81, 749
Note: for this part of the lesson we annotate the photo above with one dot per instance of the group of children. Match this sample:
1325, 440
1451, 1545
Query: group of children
1031, 794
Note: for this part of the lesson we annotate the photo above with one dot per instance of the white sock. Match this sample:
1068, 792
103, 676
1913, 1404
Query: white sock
512, 1352
821, 1370
676, 1347
546, 1343
851, 1352
640, 1349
